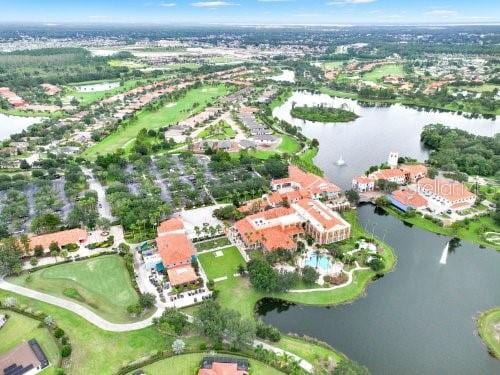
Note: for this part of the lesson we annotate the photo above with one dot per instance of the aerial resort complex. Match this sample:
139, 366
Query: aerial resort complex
256, 187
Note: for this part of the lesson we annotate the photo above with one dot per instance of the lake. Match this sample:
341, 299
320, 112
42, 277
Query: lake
15, 124
418, 319
369, 139
285, 76
104, 86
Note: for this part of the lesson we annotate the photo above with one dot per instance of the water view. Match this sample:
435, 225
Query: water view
104, 86
15, 124
369, 139
285, 76
419, 319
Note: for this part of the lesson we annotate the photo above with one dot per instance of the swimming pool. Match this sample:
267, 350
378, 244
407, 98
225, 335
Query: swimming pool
322, 262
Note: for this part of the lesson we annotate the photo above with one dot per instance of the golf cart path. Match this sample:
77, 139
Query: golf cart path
84, 312
124, 327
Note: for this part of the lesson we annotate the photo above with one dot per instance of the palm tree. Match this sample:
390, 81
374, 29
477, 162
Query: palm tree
317, 252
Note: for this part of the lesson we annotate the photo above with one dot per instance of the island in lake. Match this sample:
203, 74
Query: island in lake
323, 114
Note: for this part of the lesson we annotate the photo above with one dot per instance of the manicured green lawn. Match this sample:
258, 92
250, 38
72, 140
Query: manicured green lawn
220, 131
288, 145
225, 265
384, 70
468, 233
306, 161
212, 244
102, 284
332, 64
188, 364
488, 325
310, 351
19, 329
192, 103
96, 351
86, 98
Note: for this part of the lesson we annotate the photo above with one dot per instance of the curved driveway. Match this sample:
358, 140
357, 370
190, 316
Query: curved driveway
84, 312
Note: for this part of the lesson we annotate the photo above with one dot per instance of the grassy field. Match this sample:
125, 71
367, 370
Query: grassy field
288, 145
102, 284
86, 98
19, 329
192, 103
382, 71
212, 244
188, 364
327, 65
220, 131
469, 233
306, 161
488, 325
225, 265
310, 351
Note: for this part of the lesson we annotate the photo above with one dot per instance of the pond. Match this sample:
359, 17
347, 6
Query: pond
104, 86
418, 319
15, 124
369, 139
285, 76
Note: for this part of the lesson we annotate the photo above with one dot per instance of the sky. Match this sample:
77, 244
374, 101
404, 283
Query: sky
305, 12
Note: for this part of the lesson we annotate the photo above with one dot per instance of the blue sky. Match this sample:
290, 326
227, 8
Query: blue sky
252, 11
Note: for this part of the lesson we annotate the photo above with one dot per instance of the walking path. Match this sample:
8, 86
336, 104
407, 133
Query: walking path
349, 281
124, 327
84, 312
104, 208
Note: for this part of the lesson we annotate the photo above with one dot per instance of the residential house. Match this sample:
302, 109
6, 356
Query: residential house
76, 236
26, 358
224, 366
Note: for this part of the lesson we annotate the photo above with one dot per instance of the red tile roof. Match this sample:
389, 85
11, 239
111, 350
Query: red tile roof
170, 226
222, 369
62, 238
175, 249
322, 214
451, 190
414, 169
386, 174
409, 198
310, 182
181, 275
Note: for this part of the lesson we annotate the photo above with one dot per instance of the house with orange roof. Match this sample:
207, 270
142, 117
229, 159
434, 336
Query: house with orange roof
71, 236
310, 185
406, 199
224, 366
444, 195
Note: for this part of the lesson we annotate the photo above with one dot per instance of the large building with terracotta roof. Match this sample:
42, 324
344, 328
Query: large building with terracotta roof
71, 236
309, 184
278, 228
26, 358
406, 199
176, 252
443, 194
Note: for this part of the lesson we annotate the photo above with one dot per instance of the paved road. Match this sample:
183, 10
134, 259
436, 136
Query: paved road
104, 208
79, 310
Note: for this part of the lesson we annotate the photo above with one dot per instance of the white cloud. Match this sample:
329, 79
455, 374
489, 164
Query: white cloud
441, 13
167, 5
212, 4
349, 2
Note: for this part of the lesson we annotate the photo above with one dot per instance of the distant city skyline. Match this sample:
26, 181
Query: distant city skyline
256, 12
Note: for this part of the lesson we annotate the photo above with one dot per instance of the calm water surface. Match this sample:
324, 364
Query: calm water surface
15, 124
369, 139
418, 319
